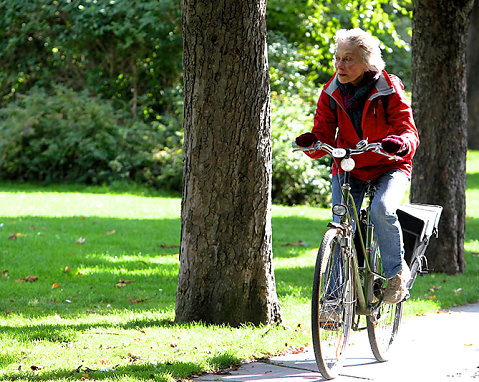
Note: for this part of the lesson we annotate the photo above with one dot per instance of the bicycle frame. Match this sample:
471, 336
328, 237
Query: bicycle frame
364, 307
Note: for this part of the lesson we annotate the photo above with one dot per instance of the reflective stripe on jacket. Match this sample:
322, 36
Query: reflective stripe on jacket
377, 123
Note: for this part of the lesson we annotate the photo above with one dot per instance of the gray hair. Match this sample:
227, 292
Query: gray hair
368, 45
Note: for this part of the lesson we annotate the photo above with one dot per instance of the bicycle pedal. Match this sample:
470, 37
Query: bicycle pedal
331, 326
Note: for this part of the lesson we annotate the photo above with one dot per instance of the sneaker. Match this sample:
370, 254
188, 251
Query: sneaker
396, 289
330, 317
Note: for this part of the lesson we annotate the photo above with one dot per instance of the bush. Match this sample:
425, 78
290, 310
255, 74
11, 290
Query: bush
71, 137
122, 50
297, 179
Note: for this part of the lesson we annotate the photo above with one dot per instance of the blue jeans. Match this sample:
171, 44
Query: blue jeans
390, 189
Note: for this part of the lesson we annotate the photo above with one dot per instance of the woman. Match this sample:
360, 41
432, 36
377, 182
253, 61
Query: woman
363, 101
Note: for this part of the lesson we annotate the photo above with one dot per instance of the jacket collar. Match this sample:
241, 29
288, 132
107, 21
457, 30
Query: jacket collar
383, 86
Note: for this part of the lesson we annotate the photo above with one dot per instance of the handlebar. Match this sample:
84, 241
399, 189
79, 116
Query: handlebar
362, 147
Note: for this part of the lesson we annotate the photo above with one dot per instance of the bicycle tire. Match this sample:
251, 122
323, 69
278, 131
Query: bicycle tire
331, 334
383, 326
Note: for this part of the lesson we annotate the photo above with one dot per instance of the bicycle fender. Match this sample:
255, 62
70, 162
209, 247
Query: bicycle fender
335, 225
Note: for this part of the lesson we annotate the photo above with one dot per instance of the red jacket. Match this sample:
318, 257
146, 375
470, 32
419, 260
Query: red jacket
376, 124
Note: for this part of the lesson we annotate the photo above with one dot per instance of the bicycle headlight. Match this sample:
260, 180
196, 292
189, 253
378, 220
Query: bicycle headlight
347, 164
339, 209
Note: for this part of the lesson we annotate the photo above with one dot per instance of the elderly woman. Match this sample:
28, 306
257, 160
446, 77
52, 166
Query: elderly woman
363, 101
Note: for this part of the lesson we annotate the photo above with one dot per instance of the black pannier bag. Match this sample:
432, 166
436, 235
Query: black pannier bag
419, 222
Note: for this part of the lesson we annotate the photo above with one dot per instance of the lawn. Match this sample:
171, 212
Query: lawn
88, 282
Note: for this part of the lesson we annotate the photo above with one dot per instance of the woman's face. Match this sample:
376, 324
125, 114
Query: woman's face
348, 64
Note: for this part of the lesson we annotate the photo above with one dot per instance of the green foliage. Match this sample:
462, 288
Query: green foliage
70, 136
123, 50
297, 179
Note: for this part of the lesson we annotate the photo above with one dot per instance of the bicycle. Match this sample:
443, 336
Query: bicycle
348, 279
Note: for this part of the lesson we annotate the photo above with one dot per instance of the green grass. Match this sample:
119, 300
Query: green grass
78, 320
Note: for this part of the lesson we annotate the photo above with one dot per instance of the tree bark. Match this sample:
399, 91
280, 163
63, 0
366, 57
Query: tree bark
473, 80
226, 273
439, 103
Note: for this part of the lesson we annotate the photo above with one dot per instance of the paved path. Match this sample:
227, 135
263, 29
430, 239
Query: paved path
437, 347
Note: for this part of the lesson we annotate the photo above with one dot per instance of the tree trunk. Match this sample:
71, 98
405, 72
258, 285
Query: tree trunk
226, 273
439, 103
473, 80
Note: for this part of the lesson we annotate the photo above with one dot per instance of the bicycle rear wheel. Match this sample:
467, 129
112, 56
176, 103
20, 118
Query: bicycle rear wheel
332, 307
384, 324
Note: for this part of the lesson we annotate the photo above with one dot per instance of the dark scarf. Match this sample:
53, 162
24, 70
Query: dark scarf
354, 98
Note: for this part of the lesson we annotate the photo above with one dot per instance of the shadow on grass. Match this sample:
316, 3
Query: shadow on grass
472, 181
62, 332
116, 188
472, 229
292, 234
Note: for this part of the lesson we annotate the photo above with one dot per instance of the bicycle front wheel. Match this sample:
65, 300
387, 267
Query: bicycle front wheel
332, 304
383, 324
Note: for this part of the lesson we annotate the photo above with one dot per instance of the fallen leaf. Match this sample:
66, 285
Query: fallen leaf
13, 236
434, 288
55, 285
133, 358
80, 240
126, 281
67, 269
297, 350
133, 301
35, 367
4, 274
431, 297
299, 243
458, 291
29, 279
168, 246
111, 232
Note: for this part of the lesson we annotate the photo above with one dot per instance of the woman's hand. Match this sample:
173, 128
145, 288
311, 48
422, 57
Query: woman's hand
394, 144
306, 140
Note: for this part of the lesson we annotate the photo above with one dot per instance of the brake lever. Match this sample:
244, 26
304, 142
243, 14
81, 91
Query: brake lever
379, 149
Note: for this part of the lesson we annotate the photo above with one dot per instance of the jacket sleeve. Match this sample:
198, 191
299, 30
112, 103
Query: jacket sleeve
325, 124
400, 117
